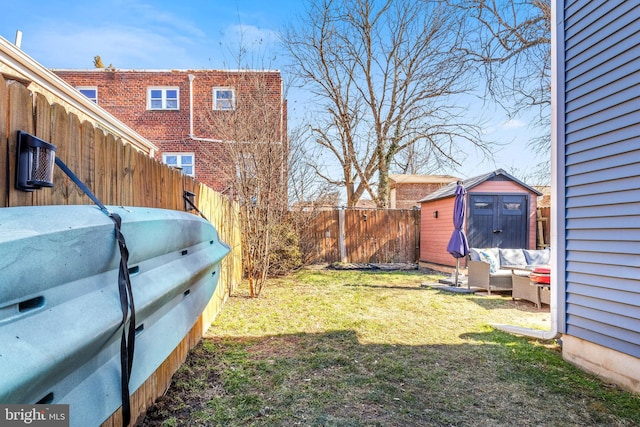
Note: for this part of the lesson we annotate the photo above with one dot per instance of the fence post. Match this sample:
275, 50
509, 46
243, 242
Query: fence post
341, 236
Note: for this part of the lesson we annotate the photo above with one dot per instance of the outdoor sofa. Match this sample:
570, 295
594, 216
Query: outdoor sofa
524, 289
492, 268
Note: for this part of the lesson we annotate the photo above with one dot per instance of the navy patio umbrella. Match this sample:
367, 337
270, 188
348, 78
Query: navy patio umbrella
458, 246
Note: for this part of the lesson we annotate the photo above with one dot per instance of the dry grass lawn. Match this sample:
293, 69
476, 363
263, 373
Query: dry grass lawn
365, 348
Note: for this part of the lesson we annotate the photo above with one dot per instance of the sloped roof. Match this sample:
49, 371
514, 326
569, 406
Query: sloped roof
450, 189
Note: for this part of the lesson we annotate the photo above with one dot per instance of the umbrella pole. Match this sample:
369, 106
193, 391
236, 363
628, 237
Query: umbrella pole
457, 268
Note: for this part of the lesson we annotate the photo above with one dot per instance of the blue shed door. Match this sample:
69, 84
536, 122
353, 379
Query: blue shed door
498, 221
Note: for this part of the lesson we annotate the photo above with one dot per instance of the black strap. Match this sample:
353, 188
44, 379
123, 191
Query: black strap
188, 200
127, 341
80, 184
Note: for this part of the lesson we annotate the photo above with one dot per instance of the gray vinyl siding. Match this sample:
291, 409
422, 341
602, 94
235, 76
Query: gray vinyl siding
602, 172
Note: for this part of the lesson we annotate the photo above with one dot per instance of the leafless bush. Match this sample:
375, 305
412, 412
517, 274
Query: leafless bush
253, 135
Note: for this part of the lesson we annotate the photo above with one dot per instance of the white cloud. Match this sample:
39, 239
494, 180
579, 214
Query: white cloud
140, 34
504, 126
124, 47
125, 33
150, 16
488, 130
513, 124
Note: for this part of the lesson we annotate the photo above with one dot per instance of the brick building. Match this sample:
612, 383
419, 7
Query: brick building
193, 116
406, 190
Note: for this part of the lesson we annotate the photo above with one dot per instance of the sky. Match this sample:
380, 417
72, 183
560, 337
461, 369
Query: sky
206, 34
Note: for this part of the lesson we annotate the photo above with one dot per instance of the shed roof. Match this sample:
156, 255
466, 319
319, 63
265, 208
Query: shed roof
450, 189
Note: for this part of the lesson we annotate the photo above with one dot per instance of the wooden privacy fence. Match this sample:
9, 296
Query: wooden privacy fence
375, 235
543, 228
363, 236
118, 175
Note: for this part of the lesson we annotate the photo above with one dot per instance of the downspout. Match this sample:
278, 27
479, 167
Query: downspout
281, 124
191, 79
284, 139
558, 254
191, 135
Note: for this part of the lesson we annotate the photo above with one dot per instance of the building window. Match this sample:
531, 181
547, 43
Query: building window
90, 92
224, 98
183, 161
163, 98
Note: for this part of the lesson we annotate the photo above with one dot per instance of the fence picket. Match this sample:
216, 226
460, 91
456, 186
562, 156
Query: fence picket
111, 171
59, 138
42, 127
74, 142
100, 161
20, 118
87, 162
4, 148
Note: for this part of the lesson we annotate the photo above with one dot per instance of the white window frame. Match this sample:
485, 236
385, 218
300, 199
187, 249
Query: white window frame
87, 88
180, 164
164, 100
218, 103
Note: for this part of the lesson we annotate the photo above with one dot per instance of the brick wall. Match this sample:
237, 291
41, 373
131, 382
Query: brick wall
124, 94
407, 195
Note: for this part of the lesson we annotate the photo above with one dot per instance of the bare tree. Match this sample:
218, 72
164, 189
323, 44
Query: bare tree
305, 187
512, 51
384, 75
250, 127
309, 196
420, 159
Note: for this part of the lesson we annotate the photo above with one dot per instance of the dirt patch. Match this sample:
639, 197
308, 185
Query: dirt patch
192, 387
399, 266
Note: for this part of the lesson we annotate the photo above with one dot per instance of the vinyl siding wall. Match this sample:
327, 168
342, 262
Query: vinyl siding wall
602, 172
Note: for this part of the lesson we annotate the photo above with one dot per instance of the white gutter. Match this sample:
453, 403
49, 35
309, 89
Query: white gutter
191, 78
282, 136
191, 135
558, 253
15, 63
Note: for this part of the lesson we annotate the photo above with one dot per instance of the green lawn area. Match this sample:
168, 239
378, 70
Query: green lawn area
375, 348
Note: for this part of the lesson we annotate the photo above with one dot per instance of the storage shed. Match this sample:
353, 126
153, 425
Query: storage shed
501, 212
